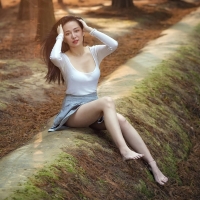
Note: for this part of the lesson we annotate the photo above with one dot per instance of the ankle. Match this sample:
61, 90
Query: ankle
152, 163
124, 151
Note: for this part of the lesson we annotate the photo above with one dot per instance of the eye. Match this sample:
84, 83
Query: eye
76, 30
67, 34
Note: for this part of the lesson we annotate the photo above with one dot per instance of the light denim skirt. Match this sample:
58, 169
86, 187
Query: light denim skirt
70, 105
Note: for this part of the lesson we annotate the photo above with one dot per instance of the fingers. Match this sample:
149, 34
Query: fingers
85, 26
59, 29
83, 22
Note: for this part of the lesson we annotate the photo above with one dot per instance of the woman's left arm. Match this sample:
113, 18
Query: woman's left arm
110, 45
108, 41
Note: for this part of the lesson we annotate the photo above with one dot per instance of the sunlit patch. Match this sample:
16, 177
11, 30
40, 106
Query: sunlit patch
60, 13
38, 140
116, 26
82, 10
38, 152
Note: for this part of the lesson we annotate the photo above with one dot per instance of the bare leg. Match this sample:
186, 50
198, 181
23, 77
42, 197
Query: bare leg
94, 110
136, 142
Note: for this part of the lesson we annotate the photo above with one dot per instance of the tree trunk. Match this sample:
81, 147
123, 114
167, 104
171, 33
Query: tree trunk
0, 5
24, 10
122, 3
46, 19
60, 1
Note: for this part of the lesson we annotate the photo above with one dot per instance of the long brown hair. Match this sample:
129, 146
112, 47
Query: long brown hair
54, 74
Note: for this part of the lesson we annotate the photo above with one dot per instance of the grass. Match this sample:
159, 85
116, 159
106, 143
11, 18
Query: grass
141, 187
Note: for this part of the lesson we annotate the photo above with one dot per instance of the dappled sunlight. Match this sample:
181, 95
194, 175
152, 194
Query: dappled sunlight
82, 10
121, 80
116, 28
38, 140
60, 13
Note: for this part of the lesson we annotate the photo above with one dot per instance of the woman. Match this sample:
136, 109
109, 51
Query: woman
76, 65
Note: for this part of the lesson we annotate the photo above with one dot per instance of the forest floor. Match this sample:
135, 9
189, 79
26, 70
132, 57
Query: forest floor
22, 118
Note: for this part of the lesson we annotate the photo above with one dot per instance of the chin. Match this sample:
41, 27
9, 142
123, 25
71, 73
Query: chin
76, 45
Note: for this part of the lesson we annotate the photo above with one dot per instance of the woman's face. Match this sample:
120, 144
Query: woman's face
73, 34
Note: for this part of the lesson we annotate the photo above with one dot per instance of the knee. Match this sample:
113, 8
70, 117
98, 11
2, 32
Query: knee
107, 102
122, 120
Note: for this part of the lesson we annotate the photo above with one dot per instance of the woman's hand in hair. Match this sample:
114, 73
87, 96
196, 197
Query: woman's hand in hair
85, 26
60, 29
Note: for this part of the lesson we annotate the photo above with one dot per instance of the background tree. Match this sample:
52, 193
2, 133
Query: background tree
46, 18
122, 3
60, 1
24, 10
0, 5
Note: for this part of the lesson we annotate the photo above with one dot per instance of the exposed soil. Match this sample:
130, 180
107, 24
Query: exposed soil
23, 118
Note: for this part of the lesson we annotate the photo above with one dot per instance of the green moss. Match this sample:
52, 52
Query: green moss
3, 106
164, 106
82, 197
29, 192
102, 185
170, 167
48, 175
66, 161
88, 142
143, 189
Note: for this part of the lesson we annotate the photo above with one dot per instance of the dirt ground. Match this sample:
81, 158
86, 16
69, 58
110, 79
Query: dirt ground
22, 119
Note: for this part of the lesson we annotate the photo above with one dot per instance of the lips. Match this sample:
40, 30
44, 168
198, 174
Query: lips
75, 42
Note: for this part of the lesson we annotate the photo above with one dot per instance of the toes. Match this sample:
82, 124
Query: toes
165, 179
136, 157
161, 183
133, 157
139, 156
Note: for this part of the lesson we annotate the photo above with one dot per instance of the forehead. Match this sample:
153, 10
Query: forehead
70, 26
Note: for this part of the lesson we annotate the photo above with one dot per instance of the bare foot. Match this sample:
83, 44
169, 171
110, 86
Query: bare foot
158, 175
131, 155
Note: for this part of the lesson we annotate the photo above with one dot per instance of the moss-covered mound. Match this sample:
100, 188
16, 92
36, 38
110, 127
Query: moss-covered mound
165, 109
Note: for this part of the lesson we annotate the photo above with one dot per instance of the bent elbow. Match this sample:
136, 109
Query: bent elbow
115, 45
55, 58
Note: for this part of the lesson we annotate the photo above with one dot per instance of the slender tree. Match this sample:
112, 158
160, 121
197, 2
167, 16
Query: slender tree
46, 18
60, 1
24, 10
122, 3
0, 5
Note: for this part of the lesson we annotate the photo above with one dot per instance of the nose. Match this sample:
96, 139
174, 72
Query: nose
73, 35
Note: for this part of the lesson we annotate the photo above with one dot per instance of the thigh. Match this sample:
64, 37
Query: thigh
86, 115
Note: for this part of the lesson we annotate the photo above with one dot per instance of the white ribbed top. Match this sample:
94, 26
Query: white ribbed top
77, 82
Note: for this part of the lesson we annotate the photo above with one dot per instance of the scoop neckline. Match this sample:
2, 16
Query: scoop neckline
81, 71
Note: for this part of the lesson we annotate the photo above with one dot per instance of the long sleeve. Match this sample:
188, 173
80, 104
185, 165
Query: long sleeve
110, 45
55, 55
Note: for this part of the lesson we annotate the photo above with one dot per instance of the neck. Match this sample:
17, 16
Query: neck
78, 51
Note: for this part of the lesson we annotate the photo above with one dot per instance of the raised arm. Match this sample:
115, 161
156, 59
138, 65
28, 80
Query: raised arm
110, 45
55, 55
109, 42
